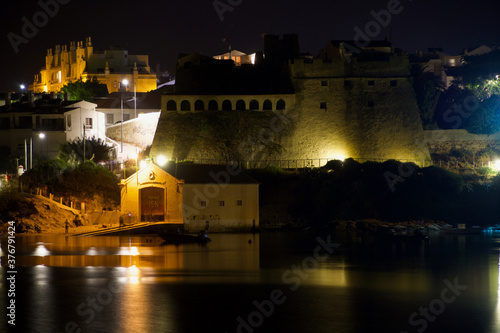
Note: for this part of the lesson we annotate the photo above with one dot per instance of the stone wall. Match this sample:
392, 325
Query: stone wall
363, 110
139, 131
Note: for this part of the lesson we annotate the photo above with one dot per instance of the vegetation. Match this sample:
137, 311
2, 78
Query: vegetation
87, 91
73, 152
427, 91
473, 101
389, 191
83, 181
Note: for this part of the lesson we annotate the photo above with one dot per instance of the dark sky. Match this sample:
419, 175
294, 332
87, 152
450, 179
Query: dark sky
163, 29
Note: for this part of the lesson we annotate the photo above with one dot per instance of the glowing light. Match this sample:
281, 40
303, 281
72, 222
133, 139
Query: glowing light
41, 135
92, 252
22, 86
336, 155
161, 160
134, 251
496, 165
143, 164
125, 82
41, 251
133, 156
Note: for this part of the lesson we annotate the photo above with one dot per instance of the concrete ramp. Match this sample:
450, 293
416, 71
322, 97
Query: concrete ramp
145, 228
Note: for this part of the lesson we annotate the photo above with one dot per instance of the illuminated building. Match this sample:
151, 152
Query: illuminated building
64, 65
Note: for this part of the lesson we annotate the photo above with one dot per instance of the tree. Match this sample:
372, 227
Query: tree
486, 119
427, 91
72, 152
480, 74
87, 90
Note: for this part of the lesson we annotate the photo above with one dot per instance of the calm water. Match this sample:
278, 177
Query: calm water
269, 282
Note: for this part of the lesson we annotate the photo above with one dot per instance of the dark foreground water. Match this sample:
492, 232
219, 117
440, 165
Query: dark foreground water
269, 282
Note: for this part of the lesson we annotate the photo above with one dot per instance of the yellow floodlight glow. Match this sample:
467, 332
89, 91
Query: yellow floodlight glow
143, 164
496, 165
161, 160
336, 155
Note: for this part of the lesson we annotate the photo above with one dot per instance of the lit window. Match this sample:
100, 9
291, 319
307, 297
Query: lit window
203, 204
221, 203
88, 123
239, 202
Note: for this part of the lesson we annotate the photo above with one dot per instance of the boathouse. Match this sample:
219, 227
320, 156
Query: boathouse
192, 195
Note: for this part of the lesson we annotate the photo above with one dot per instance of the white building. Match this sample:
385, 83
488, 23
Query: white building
38, 128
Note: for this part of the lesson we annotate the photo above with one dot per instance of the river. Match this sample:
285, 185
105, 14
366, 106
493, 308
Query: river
267, 282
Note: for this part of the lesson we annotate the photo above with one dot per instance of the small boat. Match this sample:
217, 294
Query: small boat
177, 238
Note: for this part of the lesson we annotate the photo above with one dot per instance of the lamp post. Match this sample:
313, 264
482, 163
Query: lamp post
41, 136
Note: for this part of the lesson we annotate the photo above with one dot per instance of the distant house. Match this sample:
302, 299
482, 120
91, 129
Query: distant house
47, 122
192, 194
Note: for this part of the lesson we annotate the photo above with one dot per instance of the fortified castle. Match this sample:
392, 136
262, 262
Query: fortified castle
289, 106
110, 67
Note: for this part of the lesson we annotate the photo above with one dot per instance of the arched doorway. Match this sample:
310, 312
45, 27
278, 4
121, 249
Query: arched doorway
152, 204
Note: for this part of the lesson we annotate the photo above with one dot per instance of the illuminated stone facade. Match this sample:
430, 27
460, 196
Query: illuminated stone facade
343, 105
64, 65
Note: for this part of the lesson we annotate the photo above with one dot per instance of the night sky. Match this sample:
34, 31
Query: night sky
163, 29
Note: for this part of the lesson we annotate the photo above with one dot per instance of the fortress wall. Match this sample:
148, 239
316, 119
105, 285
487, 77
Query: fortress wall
349, 127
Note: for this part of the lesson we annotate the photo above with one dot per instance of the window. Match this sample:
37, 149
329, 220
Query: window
322, 105
394, 83
371, 82
324, 83
199, 105
280, 105
213, 105
239, 202
126, 116
88, 123
254, 105
171, 105
221, 203
227, 105
185, 106
267, 105
68, 122
240, 105
203, 203
371, 104
109, 118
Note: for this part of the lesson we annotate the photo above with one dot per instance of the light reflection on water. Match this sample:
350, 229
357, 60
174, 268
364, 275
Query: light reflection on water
161, 287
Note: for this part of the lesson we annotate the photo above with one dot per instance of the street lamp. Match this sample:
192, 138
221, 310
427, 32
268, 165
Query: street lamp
41, 136
22, 86
126, 82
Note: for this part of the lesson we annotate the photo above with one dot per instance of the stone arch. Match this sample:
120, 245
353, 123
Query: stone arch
254, 104
280, 105
240, 105
227, 105
185, 105
213, 105
171, 105
268, 105
199, 105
